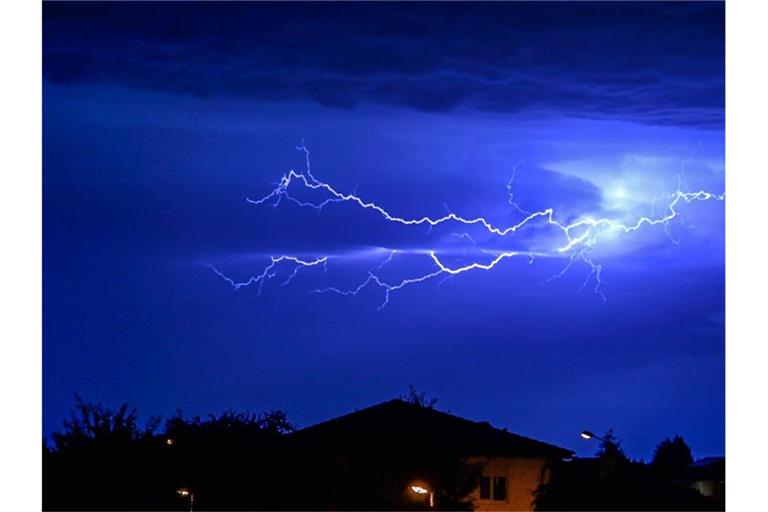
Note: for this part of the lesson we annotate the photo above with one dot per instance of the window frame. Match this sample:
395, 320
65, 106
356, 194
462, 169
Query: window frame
494, 488
488, 483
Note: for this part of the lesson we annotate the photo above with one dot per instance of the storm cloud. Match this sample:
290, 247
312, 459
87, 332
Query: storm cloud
653, 63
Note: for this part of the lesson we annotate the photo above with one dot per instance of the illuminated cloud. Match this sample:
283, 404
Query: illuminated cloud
575, 238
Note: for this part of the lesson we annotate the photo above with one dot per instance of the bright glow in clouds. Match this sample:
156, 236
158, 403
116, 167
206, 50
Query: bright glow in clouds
574, 240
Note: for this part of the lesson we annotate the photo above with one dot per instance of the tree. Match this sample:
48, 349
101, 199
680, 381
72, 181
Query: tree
610, 457
90, 423
105, 459
229, 460
100, 460
420, 399
672, 457
611, 481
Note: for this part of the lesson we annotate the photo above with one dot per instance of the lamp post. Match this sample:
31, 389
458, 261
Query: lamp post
418, 489
186, 493
586, 434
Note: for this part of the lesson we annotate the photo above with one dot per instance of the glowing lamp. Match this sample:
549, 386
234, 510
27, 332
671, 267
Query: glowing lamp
186, 493
422, 491
586, 434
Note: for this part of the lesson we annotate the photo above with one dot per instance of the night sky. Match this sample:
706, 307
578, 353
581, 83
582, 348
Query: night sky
159, 120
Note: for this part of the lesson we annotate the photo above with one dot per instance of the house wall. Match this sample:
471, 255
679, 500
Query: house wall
523, 478
710, 488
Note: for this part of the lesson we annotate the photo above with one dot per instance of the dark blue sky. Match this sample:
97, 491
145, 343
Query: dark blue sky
159, 120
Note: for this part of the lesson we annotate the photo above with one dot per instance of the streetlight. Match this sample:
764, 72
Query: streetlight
186, 493
586, 434
418, 489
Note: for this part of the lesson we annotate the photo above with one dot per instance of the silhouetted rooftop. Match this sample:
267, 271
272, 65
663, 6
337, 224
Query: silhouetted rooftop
403, 422
708, 468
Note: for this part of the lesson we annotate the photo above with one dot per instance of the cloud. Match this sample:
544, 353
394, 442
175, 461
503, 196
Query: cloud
653, 63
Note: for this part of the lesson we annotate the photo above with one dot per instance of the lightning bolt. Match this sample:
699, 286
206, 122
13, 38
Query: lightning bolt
579, 238
510, 190
269, 271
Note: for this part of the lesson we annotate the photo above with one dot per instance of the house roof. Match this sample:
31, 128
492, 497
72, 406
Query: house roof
708, 468
404, 422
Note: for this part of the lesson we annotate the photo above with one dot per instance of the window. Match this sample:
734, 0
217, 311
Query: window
493, 488
499, 488
485, 487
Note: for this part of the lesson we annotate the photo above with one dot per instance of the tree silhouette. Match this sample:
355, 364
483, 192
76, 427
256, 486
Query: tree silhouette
104, 459
99, 460
611, 481
420, 399
90, 423
672, 457
611, 458
229, 460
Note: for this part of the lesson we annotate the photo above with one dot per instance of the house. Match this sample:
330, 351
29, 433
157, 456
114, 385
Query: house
511, 467
707, 476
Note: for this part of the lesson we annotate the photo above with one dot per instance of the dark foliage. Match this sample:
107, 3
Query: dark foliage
103, 459
672, 457
420, 399
611, 481
611, 457
93, 425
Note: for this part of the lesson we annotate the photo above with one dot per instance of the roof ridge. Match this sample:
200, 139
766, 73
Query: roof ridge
432, 411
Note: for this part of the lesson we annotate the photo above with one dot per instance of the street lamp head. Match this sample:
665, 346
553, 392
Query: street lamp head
586, 434
420, 490
187, 494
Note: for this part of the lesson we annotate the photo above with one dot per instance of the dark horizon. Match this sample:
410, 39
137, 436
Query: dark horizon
160, 120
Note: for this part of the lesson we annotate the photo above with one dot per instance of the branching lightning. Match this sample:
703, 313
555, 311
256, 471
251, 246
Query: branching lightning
268, 271
579, 238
